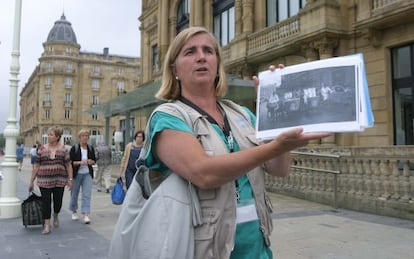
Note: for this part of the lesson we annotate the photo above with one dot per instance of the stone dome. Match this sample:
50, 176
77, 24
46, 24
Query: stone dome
62, 32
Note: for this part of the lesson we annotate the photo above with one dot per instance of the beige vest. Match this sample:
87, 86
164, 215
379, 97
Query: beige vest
215, 238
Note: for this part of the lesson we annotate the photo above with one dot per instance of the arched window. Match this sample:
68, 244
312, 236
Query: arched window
183, 15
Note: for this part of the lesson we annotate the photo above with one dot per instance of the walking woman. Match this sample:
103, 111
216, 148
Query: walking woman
52, 171
83, 158
131, 154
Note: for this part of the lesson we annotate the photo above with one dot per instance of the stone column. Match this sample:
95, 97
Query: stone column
198, 13
238, 13
247, 16
163, 32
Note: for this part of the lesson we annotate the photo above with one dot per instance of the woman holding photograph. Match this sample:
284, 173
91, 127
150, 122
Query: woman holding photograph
226, 163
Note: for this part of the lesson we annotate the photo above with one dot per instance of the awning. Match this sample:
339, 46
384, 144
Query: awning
143, 98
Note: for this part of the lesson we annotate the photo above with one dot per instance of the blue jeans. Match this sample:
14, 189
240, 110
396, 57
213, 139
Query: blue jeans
84, 181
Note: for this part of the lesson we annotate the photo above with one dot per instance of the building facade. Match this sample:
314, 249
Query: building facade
255, 34
371, 170
68, 82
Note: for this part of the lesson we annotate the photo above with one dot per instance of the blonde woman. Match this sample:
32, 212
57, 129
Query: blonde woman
83, 158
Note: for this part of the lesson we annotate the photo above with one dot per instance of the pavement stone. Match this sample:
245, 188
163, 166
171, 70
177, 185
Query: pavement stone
302, 230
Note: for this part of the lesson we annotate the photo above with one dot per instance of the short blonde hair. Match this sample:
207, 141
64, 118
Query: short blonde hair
57, 131
83, 132
170, 87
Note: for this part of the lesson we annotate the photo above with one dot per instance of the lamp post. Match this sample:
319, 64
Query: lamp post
9, 203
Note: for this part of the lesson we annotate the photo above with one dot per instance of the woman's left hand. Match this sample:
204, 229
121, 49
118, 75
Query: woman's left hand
271, 68
69, 184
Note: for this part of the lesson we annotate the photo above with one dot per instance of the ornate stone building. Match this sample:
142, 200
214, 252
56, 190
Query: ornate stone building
68, 82
369, 171
257, 33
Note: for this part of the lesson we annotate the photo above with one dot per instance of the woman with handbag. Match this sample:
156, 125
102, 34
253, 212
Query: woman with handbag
52, 171
131, 154
219, 153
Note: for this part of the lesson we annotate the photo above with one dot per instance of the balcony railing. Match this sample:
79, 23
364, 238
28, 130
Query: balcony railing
273, 35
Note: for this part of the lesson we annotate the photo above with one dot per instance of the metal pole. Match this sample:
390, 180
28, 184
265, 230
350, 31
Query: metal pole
9, 203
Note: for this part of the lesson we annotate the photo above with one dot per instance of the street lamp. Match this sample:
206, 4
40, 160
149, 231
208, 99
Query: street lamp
9, 203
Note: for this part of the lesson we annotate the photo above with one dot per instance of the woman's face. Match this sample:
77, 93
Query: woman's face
139, 139
196, 64
83, 138
51, 137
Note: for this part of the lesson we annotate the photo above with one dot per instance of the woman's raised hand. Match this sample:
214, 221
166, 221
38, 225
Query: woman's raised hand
271, 68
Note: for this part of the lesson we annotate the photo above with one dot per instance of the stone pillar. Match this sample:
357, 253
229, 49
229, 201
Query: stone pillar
198, 12
247, 16
163, 33
10, 205
238, 13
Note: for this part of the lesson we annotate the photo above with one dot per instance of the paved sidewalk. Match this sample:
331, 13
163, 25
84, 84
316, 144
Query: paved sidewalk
302, 230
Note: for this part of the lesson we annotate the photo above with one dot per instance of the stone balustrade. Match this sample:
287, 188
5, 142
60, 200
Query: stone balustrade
377, 180
381, 3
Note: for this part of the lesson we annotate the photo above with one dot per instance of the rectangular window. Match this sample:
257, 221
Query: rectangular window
94, 117
68, 82
119, 71
48, 67
120, 87
155, 67
96, 70
48, 82
48, 97
95, 84
68, 99
47, 113
95, 100
279, 10
69, 67
224, 21
403, 94
67, 114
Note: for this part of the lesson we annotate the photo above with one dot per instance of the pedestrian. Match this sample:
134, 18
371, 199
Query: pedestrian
52, 172
219, 153
33, 154
20, 156
103, 156
131, 154
83, 158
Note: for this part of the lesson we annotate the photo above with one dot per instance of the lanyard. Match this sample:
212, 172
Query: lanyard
226, 129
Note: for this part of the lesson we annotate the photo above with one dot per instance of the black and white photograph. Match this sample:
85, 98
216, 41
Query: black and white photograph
319, 96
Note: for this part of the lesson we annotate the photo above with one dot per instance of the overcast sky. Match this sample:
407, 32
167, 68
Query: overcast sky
97, 24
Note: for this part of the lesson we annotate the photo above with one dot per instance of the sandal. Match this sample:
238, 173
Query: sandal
55, 220
46, 230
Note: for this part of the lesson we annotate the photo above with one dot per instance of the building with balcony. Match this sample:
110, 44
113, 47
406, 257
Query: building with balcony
369, 171
67, 82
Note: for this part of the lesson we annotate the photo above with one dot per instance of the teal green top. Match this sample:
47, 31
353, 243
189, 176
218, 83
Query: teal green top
249, 241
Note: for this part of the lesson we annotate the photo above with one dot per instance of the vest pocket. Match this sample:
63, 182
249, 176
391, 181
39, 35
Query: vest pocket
204, 235
269, 208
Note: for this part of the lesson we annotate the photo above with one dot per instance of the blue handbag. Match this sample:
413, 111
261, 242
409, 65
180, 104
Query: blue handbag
118, 192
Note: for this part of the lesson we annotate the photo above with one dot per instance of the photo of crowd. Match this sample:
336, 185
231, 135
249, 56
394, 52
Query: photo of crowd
320, 95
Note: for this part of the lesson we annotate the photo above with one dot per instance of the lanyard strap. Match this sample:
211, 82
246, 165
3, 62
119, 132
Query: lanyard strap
226, 129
